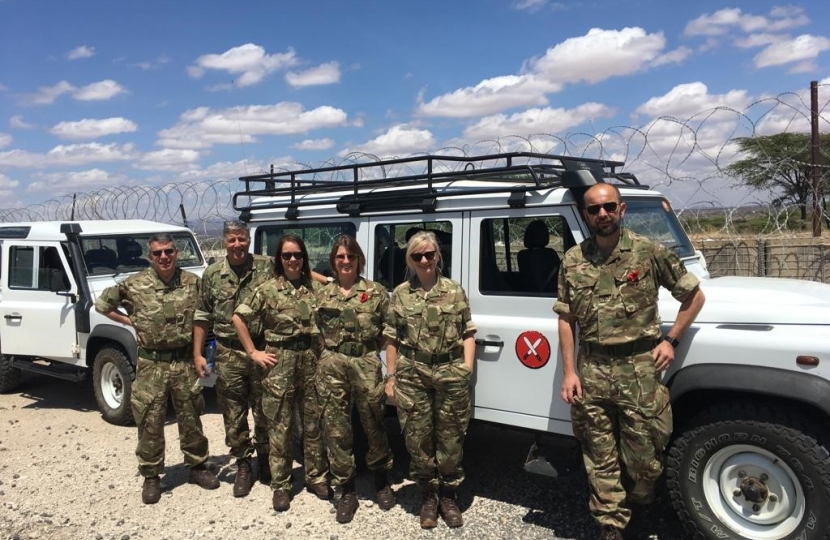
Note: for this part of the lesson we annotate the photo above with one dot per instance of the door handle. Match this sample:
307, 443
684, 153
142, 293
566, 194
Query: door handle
488, 343
14, 317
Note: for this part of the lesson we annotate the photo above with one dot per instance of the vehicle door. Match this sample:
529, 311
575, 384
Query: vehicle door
512, 286
38, 302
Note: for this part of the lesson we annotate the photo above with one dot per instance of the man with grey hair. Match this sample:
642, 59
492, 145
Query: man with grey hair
226, 284
159, 304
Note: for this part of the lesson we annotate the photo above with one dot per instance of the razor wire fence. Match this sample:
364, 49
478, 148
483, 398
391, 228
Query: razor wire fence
739, 230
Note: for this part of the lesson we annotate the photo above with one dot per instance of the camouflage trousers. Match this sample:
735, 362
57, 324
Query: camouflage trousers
154, 381
434, 411
341, 381
292, 381
623, 422
239, 389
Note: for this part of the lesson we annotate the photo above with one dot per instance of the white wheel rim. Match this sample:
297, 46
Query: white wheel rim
774, 517
112, 386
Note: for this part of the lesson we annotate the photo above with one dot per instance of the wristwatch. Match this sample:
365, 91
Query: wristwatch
673, 342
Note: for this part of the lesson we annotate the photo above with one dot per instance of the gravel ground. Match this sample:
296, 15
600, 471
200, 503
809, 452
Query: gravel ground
67, 474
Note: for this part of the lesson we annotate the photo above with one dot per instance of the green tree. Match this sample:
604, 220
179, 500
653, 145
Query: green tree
781, 163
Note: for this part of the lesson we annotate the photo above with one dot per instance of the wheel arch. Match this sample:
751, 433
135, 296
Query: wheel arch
697, 388
101, 335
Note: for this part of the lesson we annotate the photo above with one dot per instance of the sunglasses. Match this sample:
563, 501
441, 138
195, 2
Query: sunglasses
418, 256
346, 257
609, 207
169, 252
288, 255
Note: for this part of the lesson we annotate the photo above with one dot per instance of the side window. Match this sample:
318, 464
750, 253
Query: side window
22, 267
521, 256
51, 272
390, 248
318, 240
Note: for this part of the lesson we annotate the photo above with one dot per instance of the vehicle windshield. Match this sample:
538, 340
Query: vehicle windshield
655, 219
116, 254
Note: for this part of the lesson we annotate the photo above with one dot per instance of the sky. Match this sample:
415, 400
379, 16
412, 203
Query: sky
96, 94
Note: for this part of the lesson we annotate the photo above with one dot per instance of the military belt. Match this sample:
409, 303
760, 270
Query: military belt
235, 344
300, 343
353, 348
168, 355
624, 349
431, 358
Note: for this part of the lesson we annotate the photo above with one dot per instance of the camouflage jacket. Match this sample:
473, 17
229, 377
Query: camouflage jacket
358, 317
162, 314
222, 290
281, 310
433, 322
614, 301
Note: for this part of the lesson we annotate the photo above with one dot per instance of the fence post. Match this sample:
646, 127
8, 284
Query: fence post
762, 257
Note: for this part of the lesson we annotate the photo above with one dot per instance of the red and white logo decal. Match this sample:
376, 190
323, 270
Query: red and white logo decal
532, 349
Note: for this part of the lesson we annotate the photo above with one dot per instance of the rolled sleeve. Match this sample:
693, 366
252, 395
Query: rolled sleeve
467, 316
390, 324
684, 286
673, 274
109, 300
562, 305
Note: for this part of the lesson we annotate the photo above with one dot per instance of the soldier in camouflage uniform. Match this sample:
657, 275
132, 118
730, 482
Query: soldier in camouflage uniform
350, 313
160, 302
430, 356
284, 308
226, 284
620, 410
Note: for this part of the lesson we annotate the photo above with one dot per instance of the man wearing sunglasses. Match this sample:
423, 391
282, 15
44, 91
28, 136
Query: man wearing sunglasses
620, 409
159, 304
226, 284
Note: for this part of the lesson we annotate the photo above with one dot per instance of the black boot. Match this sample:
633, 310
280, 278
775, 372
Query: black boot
449, 509
385, 495
347, 505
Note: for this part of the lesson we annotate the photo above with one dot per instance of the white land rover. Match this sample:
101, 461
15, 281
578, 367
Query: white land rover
751, 383
50, 275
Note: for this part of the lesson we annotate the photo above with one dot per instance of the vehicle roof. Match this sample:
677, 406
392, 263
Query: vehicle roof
51, 230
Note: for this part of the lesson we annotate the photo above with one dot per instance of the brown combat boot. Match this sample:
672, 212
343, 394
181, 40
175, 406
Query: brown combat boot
347, 505
449, 509
151, 490
281, 500
385, 496
263, 468
322, 490
609, 532
429, 509
202, 477
244, 478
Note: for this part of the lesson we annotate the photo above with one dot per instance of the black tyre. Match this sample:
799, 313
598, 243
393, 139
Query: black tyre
112, 378
9, 375
751, 472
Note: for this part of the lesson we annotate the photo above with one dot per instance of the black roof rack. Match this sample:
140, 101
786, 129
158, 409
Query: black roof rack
524, 171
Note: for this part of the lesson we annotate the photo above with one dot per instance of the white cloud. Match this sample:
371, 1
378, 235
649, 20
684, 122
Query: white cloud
68, 156
314, 144
686, 100
725, 20
531, 6
786, 51
5, 139
63, 182
204, 127
168, 159
153, 64
84, 51
757, 40
92, 129
398, 140
547, 120
249, 63
99, 91
223, 170
46, 95
596, 56
7, 183
328, 73
16, 122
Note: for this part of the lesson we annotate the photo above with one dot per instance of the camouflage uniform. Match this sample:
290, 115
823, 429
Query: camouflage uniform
162, 315
350, 370
432, 384
614, 302
287, 316
238, 383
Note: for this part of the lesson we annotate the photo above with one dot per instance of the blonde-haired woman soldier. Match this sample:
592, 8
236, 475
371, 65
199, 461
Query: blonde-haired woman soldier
430, 355
351, 311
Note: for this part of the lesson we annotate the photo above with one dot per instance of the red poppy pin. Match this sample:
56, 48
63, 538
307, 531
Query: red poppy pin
634, 276
363, 298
